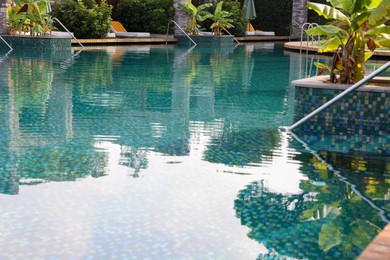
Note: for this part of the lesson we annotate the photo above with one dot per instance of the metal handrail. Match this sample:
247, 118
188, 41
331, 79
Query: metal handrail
231, 35
309, 25
9, 46
66, 29
342, 94
172, 21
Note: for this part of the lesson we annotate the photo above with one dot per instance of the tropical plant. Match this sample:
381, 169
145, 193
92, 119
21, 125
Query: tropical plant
29, 16
239, 21
220, 19
197, 14
360, 26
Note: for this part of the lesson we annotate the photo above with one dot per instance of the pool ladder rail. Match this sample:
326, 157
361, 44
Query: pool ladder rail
181, 29
66, 29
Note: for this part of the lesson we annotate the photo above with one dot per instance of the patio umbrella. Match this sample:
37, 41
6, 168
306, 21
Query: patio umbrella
48, 7
250, 12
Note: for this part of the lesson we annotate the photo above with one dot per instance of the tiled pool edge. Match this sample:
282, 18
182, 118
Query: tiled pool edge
320, 82
379, 248
38, 43
361, 116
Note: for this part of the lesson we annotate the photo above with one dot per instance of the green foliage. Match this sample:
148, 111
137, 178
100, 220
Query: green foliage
145, 15
220, 19
197, 14
29, 16
84, 18
358, 26
237, 18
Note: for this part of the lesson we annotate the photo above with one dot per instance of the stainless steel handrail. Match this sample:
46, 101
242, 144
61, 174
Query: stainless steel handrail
66, 29
9, 46
342, 94
231, 35
309, 25
166, 42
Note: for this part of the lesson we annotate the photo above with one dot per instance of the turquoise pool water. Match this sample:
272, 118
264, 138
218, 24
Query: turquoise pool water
159, 152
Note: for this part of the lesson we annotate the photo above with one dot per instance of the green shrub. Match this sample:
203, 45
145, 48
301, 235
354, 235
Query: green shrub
84, 18
145, 15
239, 21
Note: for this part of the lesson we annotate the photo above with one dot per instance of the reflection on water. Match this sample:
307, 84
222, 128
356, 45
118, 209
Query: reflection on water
175, 143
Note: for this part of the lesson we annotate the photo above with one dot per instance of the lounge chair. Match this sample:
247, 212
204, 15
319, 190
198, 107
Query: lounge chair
251, 31
120, 31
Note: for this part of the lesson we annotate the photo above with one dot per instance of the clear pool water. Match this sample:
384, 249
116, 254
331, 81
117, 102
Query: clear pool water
159, 152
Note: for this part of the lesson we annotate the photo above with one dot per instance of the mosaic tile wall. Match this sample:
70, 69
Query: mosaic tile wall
225, 40
359, 122
40, 43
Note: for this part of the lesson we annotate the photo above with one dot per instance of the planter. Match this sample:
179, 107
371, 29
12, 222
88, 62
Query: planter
54, 42
356, 123
206, 40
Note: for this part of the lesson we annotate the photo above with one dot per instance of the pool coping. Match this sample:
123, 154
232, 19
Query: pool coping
161, 38
379, 248
378, 84
309, 46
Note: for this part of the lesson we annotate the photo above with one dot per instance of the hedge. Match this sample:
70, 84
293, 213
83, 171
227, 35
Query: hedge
84, 18
145, 15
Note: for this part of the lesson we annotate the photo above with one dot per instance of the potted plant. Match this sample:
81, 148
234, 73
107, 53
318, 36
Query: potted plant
29, 16
359, 28
197, 14
220, 19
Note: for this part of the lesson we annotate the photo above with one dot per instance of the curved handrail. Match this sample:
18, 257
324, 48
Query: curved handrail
172, 21
66, 29
231, 35
9, 46
309, 25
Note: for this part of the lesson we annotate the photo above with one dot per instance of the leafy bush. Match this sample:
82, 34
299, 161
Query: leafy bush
84, 18
239, 21
145, 15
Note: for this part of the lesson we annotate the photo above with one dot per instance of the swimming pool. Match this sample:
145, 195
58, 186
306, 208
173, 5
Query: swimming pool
160, 152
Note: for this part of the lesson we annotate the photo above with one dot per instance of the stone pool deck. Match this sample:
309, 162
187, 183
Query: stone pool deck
312, 47
379, 248
162, 39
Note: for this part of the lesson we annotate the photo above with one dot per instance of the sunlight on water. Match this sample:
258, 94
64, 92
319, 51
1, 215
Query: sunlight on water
159, 152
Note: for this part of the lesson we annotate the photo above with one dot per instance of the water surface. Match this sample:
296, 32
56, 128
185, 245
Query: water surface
159, 152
